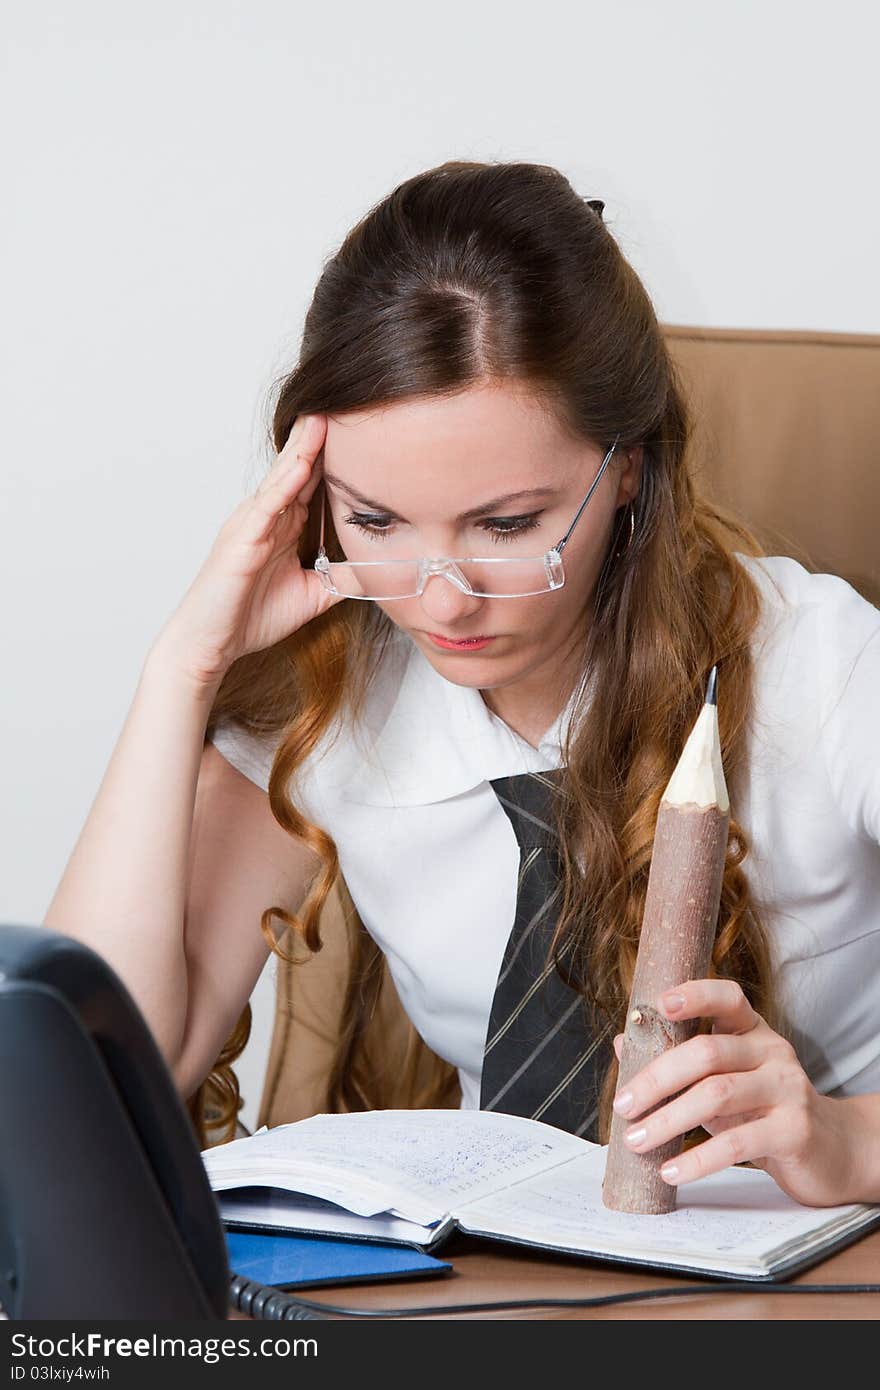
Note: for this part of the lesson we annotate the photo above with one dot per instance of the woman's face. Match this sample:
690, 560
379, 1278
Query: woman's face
399, 480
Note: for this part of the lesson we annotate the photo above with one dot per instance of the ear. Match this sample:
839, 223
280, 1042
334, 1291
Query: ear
630, 477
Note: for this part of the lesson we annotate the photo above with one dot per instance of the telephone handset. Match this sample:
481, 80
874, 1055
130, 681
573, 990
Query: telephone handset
105, 1206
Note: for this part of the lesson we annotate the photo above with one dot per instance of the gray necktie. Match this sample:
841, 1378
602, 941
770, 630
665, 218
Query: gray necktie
541, 1058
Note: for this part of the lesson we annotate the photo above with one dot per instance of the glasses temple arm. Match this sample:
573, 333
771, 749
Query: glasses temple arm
595, 483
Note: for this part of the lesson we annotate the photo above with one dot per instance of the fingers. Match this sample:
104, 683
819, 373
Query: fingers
722, 1000
295, 459
745, 1143
739, 1093
302, 444
289, 485
281, 515
287, 525
313, 478
686, 1063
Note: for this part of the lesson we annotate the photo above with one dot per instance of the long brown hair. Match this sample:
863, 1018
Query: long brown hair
466, 273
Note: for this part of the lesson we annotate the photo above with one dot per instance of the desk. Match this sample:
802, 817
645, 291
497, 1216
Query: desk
487, 1270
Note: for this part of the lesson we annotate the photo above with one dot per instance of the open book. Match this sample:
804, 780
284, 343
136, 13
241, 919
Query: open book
412, 1177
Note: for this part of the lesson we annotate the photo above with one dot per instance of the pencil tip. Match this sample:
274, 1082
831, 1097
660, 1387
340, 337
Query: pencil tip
712, 687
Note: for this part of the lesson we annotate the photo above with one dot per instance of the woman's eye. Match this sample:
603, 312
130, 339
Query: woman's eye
506, 527
500, 528
370, 525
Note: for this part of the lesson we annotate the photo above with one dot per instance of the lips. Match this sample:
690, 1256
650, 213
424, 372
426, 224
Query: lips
460, 644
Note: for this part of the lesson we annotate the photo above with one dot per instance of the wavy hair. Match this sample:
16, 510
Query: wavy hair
474, 272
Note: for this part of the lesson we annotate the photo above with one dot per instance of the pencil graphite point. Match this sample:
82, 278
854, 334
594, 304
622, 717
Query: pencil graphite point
712, 687
698, 777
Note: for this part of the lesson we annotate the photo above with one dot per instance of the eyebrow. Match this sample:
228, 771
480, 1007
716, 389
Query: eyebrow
483, 510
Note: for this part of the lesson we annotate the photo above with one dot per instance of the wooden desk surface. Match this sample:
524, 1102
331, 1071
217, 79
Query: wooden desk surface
486, 1271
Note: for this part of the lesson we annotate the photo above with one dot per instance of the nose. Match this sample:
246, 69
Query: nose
443, 602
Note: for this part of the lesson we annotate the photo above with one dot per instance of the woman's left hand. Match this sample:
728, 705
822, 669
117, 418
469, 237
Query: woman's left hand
742, 1083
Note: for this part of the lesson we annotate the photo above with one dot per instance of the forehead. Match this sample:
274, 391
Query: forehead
491, 439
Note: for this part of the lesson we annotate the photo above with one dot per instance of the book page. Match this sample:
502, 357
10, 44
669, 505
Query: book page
293, 1211
728, 1220
416, 1164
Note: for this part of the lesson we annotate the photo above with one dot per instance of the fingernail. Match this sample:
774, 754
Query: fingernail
673, 1002
623, 1103
669, 1172
635, 1136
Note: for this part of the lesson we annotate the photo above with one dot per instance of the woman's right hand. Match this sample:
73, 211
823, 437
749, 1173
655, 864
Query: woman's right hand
252, 590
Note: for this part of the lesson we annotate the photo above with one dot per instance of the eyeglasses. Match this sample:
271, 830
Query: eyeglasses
495, 577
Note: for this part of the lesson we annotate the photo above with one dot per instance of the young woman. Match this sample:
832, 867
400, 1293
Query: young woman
456, 642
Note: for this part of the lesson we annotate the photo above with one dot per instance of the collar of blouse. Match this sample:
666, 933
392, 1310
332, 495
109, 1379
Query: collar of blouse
441, 739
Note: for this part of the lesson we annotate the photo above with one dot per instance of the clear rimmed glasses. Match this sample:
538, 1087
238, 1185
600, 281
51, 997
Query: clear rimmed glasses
485, 577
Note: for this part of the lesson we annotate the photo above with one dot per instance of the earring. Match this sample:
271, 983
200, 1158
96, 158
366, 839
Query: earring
622, 549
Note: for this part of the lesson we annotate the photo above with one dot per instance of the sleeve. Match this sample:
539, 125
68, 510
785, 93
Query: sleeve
254, 756
251, 755
847, 657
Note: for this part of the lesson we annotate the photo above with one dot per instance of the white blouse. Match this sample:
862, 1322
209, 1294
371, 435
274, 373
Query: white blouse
431, 859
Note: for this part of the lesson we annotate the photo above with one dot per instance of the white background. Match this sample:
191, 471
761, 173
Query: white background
175, 176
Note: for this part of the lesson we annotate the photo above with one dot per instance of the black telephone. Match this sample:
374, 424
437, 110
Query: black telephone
105, 1206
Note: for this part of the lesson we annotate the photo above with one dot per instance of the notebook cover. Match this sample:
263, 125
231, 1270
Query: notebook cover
781, 1272
292, 1261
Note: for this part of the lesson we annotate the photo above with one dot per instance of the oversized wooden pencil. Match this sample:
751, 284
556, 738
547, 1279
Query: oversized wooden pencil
678, 931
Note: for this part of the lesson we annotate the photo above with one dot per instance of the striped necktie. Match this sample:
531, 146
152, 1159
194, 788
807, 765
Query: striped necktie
541, 1058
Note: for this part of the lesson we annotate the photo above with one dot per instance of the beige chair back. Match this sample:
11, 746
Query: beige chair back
788, 424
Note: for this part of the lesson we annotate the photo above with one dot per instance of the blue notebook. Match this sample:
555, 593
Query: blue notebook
288, 1261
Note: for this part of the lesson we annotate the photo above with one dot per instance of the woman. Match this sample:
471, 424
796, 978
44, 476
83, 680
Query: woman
479, 334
